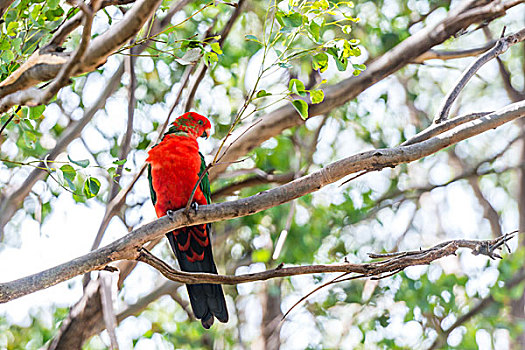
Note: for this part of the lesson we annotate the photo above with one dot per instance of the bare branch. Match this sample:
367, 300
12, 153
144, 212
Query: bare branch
436, 129
128, 246
106, 299
393, 262
449, 55
501, 46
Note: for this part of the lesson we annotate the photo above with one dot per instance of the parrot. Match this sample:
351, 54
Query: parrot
175, 165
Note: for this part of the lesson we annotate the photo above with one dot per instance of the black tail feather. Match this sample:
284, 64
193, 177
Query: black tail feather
207, 300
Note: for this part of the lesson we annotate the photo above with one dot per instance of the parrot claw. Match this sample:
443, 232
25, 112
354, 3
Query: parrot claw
195, 206
169, 213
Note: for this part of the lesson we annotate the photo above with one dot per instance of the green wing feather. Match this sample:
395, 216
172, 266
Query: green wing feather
205, 182
152, 191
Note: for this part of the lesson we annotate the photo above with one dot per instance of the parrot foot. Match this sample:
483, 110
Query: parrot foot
195, 206
169, 213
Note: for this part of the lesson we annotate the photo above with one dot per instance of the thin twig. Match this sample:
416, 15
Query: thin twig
449, 55
9, 119
501, 46
108, 311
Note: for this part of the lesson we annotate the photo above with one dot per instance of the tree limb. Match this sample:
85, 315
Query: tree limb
393, 262
101, 48
501, 46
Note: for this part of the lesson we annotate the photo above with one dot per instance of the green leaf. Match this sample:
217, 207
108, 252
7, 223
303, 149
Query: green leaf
36, 112
69, 175
120, 162
262, 93
84, 163
316, 96
53, 4
210, 57
342, 63
11, 28
7, 56
301, 107
321, 5
279, 17
251, 37
261, 255
297, 87
320, 61
315, 30
216, 47
91, 187
294, 19
358, 68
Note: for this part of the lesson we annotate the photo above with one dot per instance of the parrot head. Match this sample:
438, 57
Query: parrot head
192, 123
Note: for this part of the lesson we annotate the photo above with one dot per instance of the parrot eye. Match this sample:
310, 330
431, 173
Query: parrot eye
200, 122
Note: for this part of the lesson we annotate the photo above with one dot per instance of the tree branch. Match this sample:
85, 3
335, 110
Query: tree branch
449, 55
47, 65
128, 246
393, 262
501, 46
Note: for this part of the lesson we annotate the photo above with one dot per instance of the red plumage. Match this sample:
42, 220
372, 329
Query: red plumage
175, 168
175, 165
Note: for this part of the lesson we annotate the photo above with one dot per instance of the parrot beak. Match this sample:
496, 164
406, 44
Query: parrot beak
206, 133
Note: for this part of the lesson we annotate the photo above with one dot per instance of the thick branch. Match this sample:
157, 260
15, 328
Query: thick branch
101, 48
128, 246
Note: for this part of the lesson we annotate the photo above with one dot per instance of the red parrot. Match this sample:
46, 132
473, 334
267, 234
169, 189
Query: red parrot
175, 166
